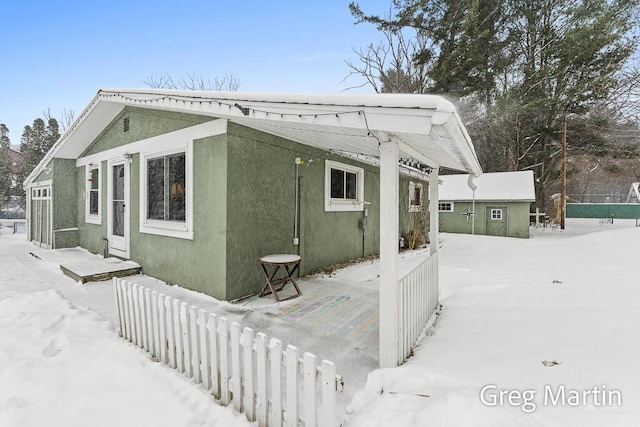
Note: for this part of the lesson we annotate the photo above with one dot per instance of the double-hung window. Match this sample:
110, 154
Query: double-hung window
166, 180
93, 199
167, 199
344, 187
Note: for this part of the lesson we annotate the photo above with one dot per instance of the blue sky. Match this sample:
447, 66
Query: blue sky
57, 54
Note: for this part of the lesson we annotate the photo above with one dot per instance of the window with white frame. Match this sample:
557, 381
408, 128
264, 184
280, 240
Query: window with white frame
496, 214
445, 206
415, 196
165, 187
344, 187
93, 196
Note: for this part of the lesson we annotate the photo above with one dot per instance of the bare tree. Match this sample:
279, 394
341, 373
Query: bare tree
391, 66
228, 82
65, 119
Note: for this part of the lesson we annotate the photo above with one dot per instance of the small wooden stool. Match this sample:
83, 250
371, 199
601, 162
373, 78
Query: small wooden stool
290, 263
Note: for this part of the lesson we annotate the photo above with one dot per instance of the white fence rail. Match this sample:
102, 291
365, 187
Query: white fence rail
418, 299
267, 382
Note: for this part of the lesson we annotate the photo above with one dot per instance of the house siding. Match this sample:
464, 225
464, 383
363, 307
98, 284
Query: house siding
197, 264
244, 207
456, 222
143, 123
64, 193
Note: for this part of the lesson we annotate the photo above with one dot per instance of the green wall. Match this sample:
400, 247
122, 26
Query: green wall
143, 123
197, 264
456, 222
244, 207
261, 209
64, 193
91, 236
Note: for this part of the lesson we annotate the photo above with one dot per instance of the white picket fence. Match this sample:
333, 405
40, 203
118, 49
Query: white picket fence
418, 298
268, 383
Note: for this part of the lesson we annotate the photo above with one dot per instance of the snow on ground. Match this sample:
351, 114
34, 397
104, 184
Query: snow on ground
509, 305
568, 298
61, 364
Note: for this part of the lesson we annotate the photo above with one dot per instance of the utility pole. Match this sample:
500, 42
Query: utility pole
563, 192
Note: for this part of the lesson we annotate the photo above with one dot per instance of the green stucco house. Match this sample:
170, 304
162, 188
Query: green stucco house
499, 205
197, 186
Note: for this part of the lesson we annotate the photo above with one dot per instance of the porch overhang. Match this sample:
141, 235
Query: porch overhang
381, 128
426, 127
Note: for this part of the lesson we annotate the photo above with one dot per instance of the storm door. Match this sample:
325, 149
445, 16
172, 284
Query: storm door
118, 222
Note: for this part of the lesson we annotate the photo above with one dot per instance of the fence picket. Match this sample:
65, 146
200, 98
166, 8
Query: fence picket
213, 355
292, 386
156, 325
143, 319
186, 341
310, 375
194, 343
275, 415
205, 375
125, 307
236, 372
224, 360
328, 394
262, 402
248, 400
171, 333
149, 322
162, 326
220, 355
177, 332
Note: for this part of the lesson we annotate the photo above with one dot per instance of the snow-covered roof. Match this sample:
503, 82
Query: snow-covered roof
427, 127
490, 186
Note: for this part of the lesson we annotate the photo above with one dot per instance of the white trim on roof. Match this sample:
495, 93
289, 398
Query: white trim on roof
426, 127
497, 186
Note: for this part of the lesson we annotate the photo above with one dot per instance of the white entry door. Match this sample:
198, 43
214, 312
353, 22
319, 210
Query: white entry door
118, 208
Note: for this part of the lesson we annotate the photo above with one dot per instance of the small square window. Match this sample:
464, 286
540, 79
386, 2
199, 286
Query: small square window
445, 207
496, 214
344, 187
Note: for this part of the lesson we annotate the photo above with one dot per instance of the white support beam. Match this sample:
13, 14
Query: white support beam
389, 187
434, 223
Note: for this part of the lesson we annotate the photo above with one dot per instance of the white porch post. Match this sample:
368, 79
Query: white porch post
434, 221
389, 187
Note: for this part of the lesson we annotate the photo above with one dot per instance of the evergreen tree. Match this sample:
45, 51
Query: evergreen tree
525, 64
36, 141
6, 164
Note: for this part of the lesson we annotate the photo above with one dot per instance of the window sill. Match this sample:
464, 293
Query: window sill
344, 206
168, 229
93, 220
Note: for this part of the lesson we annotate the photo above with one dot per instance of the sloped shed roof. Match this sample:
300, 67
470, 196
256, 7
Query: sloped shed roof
427, 127
508, 186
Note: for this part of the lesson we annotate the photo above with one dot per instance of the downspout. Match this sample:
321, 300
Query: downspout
473, 203
296, 225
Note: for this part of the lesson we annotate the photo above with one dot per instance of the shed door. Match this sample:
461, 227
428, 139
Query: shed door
40, 216
496, 221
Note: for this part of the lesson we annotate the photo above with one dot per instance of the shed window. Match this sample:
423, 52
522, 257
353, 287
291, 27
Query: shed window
445, 206
496, 214
344, 187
